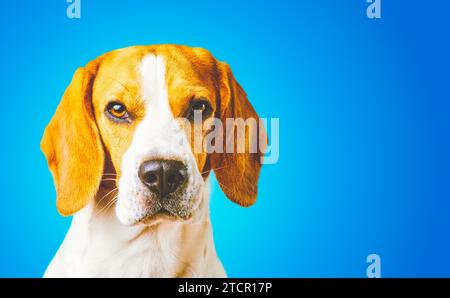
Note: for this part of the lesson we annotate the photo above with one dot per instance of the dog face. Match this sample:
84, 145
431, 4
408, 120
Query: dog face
133, 109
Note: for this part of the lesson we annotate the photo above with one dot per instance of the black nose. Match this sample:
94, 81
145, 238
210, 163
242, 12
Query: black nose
163, 177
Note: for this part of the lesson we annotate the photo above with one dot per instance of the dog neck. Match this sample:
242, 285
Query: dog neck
98, 245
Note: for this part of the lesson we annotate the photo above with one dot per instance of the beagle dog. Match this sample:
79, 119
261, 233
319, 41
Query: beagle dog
125, 167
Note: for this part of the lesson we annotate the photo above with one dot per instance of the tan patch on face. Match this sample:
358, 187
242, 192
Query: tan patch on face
118, 80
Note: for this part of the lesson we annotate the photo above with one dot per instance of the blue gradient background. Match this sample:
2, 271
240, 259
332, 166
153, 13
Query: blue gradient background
364, 115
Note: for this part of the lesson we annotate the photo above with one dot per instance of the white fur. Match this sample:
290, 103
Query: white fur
109, 244
100, 246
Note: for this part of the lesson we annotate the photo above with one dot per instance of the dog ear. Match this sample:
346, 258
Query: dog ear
72, 145
238, 172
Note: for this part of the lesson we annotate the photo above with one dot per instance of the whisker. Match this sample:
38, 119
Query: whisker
215, 169
108, 205
112, 202
114, 189
109, 179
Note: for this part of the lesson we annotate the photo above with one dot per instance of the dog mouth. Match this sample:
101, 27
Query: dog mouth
160, 216
178, 207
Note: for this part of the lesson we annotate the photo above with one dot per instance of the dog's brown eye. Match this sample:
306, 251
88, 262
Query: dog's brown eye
201, 107
117, 110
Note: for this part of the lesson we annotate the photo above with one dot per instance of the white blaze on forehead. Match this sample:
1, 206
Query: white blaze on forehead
154, 134
158, 134
154, 87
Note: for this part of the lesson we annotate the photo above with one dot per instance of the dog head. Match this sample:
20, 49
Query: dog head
128, 117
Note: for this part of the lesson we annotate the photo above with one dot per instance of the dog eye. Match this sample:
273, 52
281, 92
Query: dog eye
117, 111
200, 106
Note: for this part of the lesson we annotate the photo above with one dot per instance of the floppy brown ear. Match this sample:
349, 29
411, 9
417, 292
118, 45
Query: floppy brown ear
238, 173
72, 145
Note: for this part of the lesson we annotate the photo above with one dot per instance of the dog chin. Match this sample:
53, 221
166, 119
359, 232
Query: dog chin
162, 216
155, 218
